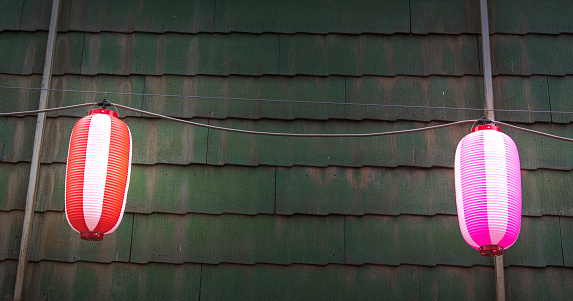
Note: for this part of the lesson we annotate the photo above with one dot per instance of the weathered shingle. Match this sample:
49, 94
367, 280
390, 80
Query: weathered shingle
303, 282
532, 54
8, 278
122, 281
17, 100
457, 283
3, 122
183, 54
24, 52
549, 283
560, 91
537, 151
408, 239
433, 91
201, 189
566, 225
521, 17
256, 89
442, 16
124, 16
366, 190
237, 238
262, 281
36, 14
538, 244
233, 148
435, 148
546, 192
18, 138
11, 227
13, 185
163, 141
10, 14
53, 239
478, 283
521, 93
388, 16
386, 55
92, 84
391, 191
397, 240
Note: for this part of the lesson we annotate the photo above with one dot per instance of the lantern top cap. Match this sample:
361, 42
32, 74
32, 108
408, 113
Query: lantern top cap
103, 111
486, 127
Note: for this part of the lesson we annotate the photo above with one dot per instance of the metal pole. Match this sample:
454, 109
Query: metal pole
35, 165
488, 86
499, 278
490, 114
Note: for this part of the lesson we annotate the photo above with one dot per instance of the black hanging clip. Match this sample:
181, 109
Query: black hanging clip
484, 120
104, 103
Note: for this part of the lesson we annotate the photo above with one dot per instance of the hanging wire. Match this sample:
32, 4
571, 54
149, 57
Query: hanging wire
48, 110
533, 131
291, 134
295, 134
286, 101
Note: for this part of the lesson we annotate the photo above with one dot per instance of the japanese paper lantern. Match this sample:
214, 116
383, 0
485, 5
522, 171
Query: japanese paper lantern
488, 190
97, 174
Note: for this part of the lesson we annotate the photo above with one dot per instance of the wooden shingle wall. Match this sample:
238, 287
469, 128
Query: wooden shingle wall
214, 215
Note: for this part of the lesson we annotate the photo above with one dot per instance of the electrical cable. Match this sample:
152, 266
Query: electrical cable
534, 132
287, 101
47, 110
294, 134
289, 134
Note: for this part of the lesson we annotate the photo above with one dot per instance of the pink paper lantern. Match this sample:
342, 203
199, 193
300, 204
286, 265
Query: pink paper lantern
488, 190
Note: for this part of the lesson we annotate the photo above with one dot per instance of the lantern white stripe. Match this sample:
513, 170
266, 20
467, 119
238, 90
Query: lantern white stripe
97, 154
126, 187
514, 192
496, 186
460, 204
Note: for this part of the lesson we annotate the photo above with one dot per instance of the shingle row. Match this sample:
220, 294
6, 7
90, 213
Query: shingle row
302, 97
318, 240
386, 17
164, 141
297, 190
67, 281
241, 53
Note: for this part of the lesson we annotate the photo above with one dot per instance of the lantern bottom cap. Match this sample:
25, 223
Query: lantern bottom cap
91, 236
491, 250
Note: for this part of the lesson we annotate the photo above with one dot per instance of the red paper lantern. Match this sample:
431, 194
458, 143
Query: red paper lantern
97, 174
488, 190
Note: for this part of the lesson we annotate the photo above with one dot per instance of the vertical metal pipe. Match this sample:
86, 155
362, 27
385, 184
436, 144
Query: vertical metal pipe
499, 278
490, 114
488, 86
36, 156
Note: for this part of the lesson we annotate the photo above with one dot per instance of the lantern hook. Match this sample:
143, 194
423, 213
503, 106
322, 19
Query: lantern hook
484, 120
104, 103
